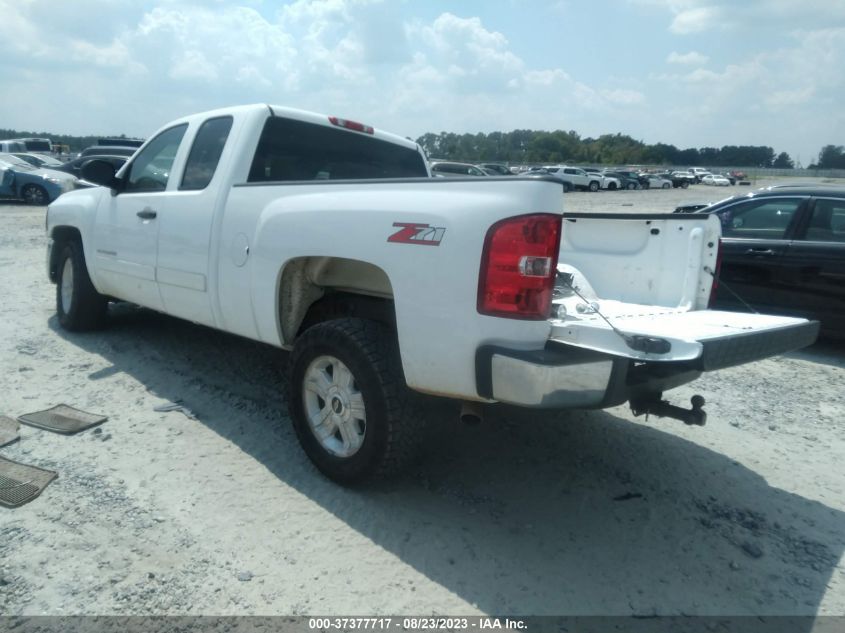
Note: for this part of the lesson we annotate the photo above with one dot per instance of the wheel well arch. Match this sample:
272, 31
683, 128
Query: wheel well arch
61, 235
316, 289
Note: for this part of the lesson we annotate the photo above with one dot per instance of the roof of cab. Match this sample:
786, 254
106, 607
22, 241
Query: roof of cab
299, 115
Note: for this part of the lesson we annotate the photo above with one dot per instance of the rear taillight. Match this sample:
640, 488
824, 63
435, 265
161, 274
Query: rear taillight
518, 267
716, 273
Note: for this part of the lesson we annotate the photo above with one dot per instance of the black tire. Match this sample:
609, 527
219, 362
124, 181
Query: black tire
394, 417
685, 184
35, 195
594, 185
611, 186
630, 186
87, 309
665, 185
567, 187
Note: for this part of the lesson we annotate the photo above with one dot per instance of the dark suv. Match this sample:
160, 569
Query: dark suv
629, 179
783, 252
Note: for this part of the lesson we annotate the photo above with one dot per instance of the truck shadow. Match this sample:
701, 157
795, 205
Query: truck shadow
576, 513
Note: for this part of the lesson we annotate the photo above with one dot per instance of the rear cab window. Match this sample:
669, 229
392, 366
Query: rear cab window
292, 150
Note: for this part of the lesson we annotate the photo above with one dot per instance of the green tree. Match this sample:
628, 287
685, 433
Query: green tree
783, 161
832, 157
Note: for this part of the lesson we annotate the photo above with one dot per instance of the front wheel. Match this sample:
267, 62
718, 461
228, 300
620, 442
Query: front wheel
631, 186
78, 304
685, 185
351, 410
666, 185
594, 186
35, 195
612, 186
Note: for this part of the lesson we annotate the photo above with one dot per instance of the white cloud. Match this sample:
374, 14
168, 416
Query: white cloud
691, 59
696, 20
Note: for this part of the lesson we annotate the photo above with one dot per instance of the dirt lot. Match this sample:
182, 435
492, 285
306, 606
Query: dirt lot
572, 513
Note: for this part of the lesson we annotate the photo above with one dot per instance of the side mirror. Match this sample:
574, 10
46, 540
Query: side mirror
100, 172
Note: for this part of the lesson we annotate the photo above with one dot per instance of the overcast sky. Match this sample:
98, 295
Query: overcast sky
693, 73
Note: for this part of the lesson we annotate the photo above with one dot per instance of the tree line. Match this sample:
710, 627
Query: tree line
530, 146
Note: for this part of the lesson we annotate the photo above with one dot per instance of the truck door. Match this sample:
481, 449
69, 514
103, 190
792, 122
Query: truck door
814, 278
755, 235
184, 233
126, 231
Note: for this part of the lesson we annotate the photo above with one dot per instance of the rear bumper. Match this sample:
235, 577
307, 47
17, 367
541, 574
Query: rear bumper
561, 376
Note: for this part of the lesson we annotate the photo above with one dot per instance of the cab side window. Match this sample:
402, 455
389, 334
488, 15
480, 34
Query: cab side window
765, 219
205, 153
150, 171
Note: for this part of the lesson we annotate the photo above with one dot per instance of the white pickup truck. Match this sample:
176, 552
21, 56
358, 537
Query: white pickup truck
329, 238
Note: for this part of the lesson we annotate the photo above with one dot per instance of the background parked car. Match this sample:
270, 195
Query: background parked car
19, 179
627, 179
783, 252
455, 170
543, 173
677, 181
496, 169
715, 180
576, 177
655, 181
111, 150
39, 160
74, 167
610, 183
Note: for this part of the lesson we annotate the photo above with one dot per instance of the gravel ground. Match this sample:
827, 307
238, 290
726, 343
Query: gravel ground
570, 513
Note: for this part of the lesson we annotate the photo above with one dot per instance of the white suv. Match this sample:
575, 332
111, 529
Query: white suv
576, 177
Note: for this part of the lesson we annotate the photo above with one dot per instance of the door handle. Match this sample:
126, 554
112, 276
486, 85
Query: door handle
759, 251
146, 214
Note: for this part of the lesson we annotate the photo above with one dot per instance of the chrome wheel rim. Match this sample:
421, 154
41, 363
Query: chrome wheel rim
67, 285
334, 406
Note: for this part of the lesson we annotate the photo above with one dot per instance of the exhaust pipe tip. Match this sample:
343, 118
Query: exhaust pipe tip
471, 414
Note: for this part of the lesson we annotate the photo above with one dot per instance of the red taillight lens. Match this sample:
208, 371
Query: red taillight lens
716, 273
518, 267
351, 125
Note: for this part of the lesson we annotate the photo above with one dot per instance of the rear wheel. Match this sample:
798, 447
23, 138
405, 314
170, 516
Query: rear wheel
666, 185
611, 186
630, 186
78, 304
35, 195
351, 410
685, 184
594, 185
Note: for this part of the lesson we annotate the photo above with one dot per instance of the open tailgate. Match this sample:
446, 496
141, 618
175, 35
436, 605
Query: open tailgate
714, 338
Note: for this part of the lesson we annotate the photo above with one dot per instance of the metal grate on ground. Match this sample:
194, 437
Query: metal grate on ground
62, 419
21, 483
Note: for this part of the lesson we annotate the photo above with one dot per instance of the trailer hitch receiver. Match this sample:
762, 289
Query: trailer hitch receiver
654, 405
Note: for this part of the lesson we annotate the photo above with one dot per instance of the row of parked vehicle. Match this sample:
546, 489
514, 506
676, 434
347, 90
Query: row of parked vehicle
32, 173
591, 178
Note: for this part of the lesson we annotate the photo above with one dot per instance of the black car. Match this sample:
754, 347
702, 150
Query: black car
629, 179
111, 150
783, 252
499, 169
75, 166
678, 182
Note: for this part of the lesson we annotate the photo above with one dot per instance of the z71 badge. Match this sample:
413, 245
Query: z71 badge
414, 233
